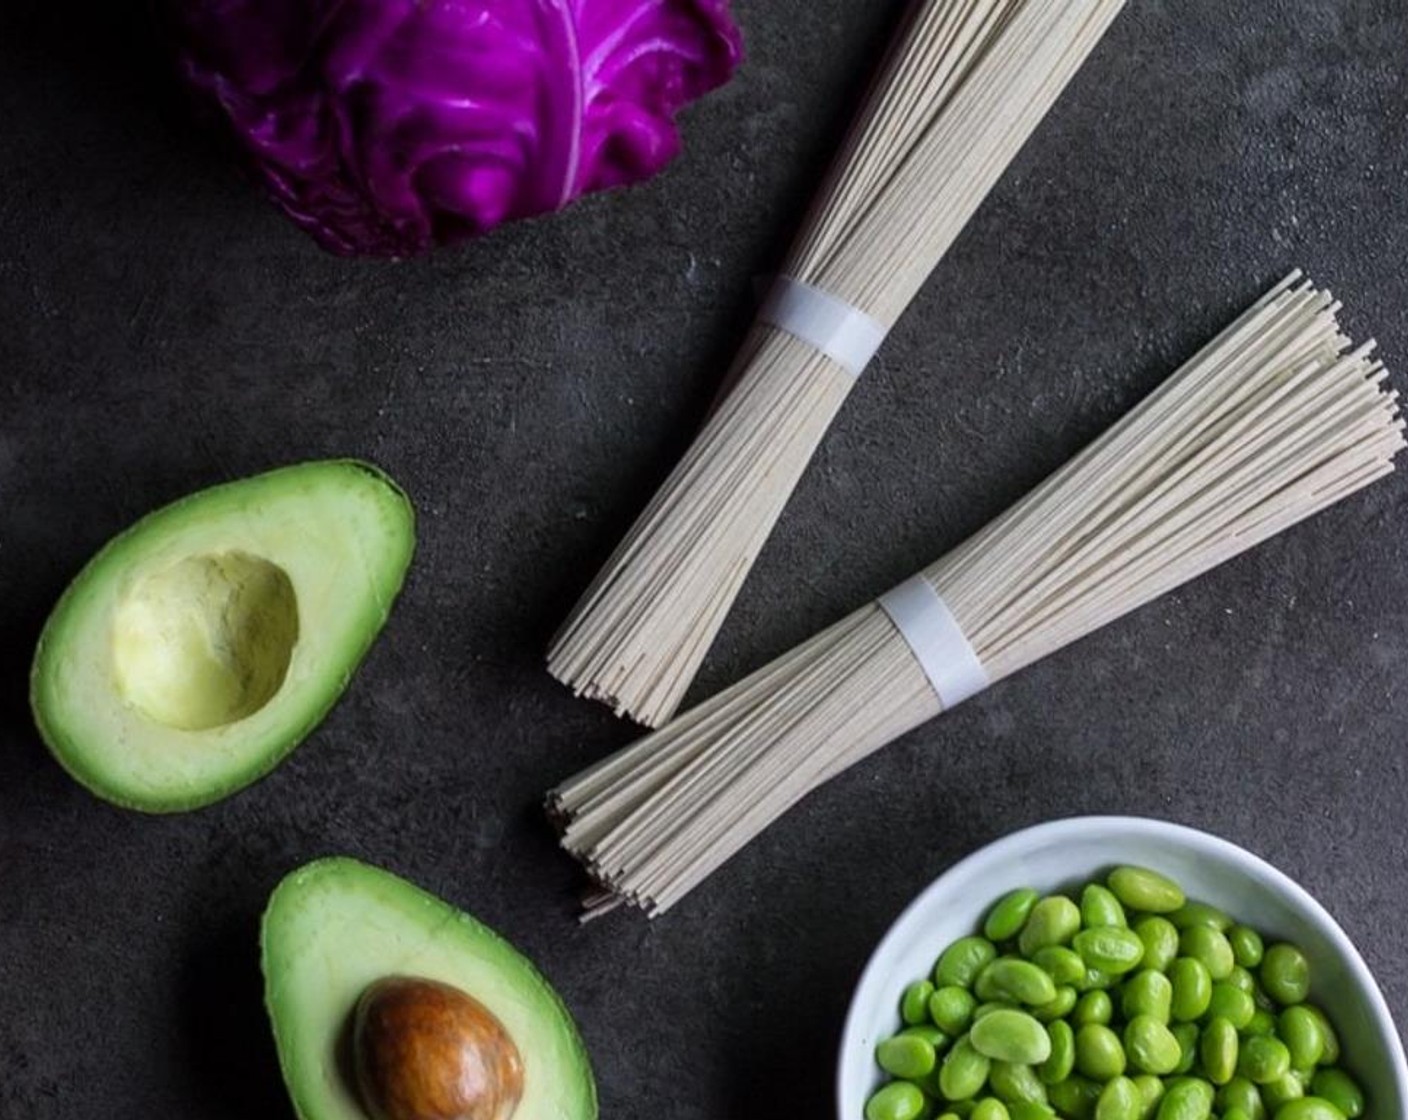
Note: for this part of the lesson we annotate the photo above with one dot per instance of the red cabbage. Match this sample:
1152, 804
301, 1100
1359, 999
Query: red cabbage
387, 126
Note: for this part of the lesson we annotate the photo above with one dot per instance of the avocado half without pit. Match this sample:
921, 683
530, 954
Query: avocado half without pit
201, 645
389, 1004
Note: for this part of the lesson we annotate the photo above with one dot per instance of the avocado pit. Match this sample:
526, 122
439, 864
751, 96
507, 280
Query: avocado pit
423, 1050
206, 641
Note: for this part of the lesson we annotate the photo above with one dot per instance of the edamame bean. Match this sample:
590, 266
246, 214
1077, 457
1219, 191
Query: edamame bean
1186, 1099
1064, 965
1218, 1048
1095, 980
1075, 1097
1187, 1035
951, 1009
899, 1100
1059, 1007
1309, 1108
1285, 974
905, 1056
1006, 919
1099, 907
989, 1108
1099, 1053
1111, 949
1200, 914
1141, 889
1062, 1058
1053, 921
1093, 1007
1151, 1046
1192, 989
1239, 1093
964, 1072
1327, 1035
1247, 945
929, 1033
1209, 946
1300, 1031
983, 1010
1340, 1090
914, 1004
1262, 1022
1030, 1110
1147, 993
961, 962
1016, 980
1119, 1100
1010, 1036
1282, 1091
1151, 1090
1235, 1114
1014, 1083
1242, 979
1160, 938
1227, 1002
1264, 1060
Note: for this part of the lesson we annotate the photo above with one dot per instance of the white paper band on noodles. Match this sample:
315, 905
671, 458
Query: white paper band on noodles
938, 642
845, 334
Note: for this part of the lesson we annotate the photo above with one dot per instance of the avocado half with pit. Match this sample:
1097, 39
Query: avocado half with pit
201, 645
387, 1003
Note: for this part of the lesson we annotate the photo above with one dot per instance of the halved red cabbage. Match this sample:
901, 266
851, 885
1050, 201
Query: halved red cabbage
386, 126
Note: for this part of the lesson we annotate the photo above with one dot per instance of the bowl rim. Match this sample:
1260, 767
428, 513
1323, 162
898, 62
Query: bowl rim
1050, 832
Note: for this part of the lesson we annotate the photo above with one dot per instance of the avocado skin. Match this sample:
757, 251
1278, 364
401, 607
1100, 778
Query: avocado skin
50, 644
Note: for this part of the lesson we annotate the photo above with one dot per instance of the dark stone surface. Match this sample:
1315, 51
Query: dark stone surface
162, 329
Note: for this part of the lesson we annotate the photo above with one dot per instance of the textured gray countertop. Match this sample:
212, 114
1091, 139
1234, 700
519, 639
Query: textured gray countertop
161, 328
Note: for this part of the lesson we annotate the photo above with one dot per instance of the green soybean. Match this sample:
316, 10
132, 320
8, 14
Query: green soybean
1119, 1100
1053, 921
1062, 964
1300, 1031
1141, 889
1099, 1052
951, 1008
1285, 974
1160, 938
1016, 980
1011, 1036
1151, 1046
1151, 1091
1327, 1034
961, 962
989, 1108
1099, 907
1075, 1097
1187, 1035
1239, 1093
1309, 1108
964, 1072
1093, 1007
983, 1010
1111, 949
1247, 945
1242, 979
1211, 947
1340, 1090
1030, 1110
1186, 1099
1059, 1007
1006, 919
905, 1056
1282, 1091
1264, 1060
1227, 1002
1147, 993
1192, 989
1096, 980
1200, 914
914, 1004
1235, 1114
1262, 1022
929, 1033
1015, 1083
1218, 1047
1062, 1059
898, 1100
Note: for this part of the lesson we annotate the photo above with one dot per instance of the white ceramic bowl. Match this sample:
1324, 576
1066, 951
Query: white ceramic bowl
1065, 853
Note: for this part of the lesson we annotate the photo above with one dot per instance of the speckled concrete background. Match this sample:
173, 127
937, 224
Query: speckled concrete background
162, 329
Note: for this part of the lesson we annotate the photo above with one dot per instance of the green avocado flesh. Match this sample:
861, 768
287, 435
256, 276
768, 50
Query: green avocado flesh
204, 643
336, 926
